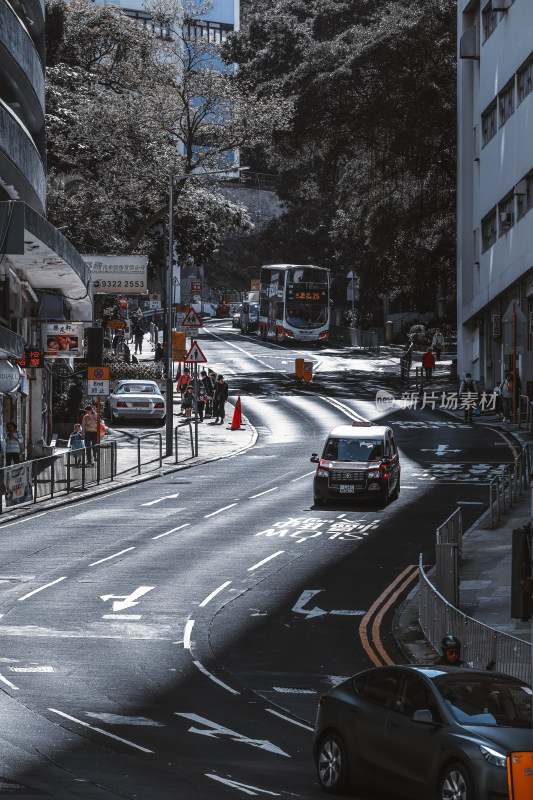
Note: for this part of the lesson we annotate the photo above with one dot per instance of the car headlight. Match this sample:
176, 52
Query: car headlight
322, 473
493, 756
374, 473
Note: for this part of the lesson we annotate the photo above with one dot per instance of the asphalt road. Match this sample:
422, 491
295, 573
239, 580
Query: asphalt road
171, 639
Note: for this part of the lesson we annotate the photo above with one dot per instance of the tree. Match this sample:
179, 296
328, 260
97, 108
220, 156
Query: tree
126, 108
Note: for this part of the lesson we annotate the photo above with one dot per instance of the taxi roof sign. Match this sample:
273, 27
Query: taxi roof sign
192, 320
195, 355
361, 423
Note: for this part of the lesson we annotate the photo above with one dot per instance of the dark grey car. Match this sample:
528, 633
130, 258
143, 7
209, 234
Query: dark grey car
435, 733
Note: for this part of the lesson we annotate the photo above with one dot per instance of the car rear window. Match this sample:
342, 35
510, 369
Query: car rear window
486, 700
353, 449
139, 388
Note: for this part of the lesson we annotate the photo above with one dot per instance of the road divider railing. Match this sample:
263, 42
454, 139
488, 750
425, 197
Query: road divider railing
525, 412
506, 488
481, 644
406, 361
62, 473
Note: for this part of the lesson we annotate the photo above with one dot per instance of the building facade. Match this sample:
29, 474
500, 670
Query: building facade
495, 187
42, 277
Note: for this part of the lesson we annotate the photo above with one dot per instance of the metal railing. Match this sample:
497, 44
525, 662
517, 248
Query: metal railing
451, 531
508, 486
406, 361
152, 458
41, 478
354, 337
525, 412
481, 644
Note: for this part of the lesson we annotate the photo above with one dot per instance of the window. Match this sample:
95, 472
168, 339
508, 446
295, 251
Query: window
506, 102
489, 230
415, 696
160, 28
212, 32
524, 197
506, 213
490, 20
353, 450
525, 79
378, 687
488, 123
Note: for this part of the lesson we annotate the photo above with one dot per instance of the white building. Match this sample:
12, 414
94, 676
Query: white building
495, 184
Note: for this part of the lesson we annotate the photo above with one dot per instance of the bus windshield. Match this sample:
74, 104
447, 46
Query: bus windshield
305, 315
307, 275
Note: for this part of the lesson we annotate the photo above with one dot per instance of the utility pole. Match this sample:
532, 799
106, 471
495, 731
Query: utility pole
169, 383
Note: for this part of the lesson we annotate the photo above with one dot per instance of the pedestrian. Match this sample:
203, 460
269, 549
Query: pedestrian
507, 397
183, 381
437, 343
118, 341
209, 391
428, 362
152, 334
497, 392
451, 652
188, 402
138, 334
90, 434
219, 399
159, 353
76, 445
468, 388
200, 401
14, 445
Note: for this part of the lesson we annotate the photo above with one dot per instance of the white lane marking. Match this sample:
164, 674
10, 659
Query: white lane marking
123, 601
8, 683
348, 613
187, 634
160, 535
303, 476
160, 499
219, 511
253, 496
122, 616
206, 672
294, 721
341, 516
244, 787
92, 500
214, 593
249, 355
99, 730
214, 730
40, 589
440, 450
32, 669
24, 519
304, 598
341, 407
469, 503
264, 561
291, 690
113, 556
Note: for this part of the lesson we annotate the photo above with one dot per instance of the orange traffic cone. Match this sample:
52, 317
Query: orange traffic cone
237, 416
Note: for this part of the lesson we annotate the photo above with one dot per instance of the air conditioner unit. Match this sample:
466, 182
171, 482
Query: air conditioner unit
496, 326
506, 219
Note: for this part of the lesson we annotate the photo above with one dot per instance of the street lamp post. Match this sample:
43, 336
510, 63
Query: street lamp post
168, 304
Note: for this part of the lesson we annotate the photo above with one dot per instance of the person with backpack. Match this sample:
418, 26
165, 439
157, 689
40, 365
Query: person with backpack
469, 394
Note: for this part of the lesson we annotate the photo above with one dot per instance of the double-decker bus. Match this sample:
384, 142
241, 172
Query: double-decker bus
294, 303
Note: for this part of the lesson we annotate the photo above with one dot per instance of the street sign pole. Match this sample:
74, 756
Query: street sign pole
169, 383
98, 412
196, 410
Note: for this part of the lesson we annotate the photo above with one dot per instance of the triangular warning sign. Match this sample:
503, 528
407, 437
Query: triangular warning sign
192, 320
195, 355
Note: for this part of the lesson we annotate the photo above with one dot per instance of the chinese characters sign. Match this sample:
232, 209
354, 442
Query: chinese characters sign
32, 358
118, 274
306, 293
62, 339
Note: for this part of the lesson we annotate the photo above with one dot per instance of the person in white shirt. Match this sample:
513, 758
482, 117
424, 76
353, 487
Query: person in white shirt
437, 343
14, 445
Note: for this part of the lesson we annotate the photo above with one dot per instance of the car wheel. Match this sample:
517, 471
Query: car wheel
319, 501
384, 497
396, 491
161, 421
455, 783
332, 764
112, 418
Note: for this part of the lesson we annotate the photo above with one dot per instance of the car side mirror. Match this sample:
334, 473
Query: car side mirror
314, 458
423, 715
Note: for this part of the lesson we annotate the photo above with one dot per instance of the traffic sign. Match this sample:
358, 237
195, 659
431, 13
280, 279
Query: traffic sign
196, 287
98, 373
195, 355
192, 320
95, 388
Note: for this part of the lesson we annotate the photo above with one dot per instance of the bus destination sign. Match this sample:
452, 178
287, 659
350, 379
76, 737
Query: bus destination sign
306, 293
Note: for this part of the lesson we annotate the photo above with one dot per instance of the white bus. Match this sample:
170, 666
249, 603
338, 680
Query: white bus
294, 303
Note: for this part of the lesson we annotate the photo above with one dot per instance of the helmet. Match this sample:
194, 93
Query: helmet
449, 642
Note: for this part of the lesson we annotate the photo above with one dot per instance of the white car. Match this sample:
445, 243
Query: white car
136, 399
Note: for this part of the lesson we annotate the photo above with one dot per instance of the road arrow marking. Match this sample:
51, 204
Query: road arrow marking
213, 730
123, 601
441, 450
160, 499
244, 787
304, 598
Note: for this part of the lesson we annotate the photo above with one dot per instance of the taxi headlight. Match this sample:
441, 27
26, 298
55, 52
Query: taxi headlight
322, 473
493, 756
374, 473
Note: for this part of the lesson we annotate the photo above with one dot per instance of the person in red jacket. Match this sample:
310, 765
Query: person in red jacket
428, 362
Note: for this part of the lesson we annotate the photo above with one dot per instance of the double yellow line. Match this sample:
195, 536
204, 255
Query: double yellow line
372, 643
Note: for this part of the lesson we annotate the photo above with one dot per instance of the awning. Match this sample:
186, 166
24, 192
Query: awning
41, 255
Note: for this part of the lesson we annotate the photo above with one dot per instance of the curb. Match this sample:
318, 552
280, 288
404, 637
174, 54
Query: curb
73, 498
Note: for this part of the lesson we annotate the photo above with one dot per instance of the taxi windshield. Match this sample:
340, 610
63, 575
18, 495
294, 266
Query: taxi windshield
353, 449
